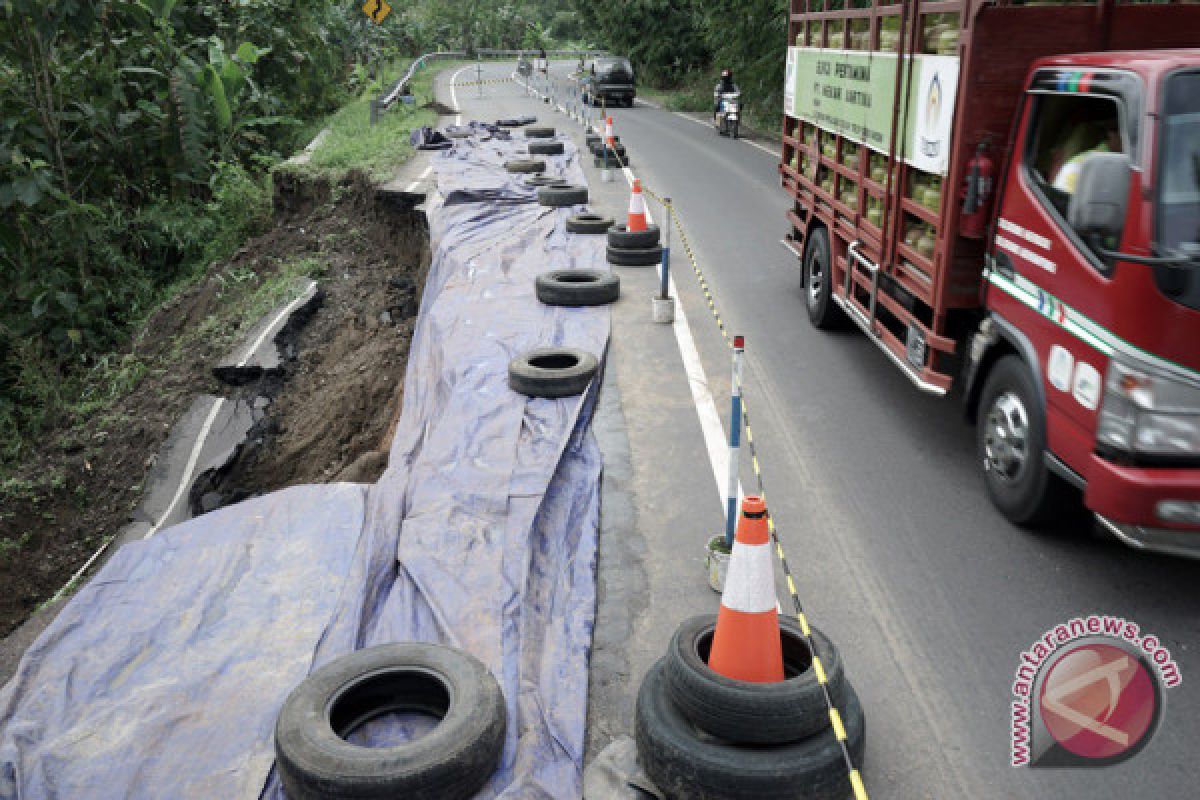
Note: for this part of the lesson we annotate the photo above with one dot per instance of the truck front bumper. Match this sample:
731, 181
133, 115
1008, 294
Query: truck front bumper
1129, 502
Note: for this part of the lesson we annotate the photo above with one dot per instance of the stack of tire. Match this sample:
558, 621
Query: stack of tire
615, 156
702, 736
628, 248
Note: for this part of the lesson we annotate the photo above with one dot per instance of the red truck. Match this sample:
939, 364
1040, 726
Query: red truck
1005, 197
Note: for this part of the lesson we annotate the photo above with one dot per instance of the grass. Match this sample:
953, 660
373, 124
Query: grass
376, 150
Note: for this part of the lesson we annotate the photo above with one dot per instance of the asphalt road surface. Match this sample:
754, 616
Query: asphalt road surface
930, 594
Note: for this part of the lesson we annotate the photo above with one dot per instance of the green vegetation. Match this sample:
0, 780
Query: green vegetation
682, 47
137, 139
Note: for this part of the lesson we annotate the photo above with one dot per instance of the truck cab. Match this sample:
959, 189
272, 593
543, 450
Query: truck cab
1005, 197
1095, 261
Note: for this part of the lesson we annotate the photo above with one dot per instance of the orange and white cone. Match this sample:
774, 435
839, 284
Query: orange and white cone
637, 209
746, 645
609, 139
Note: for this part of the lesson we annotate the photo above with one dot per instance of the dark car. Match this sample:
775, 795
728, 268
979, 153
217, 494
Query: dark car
609, 78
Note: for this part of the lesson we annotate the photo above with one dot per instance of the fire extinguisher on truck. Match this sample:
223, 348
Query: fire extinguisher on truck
976, 193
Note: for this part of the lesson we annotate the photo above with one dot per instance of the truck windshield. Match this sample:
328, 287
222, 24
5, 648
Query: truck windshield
1179, 173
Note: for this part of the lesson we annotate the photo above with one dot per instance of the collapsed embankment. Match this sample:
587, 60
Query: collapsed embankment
346, 350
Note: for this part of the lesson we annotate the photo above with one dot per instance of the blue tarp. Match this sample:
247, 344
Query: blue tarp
163, 676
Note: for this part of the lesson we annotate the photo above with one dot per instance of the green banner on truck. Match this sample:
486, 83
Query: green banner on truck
851, 93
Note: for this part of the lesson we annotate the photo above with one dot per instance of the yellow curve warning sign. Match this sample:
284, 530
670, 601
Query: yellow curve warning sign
377, 10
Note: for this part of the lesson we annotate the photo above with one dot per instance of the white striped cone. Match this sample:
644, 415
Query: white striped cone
637, 209
746, 645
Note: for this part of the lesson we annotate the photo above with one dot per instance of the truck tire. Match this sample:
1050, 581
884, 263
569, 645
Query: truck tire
454, 760
587, 222
539, 133
552, 372
634, 256
823, 313
577, 287
525, 165
546, 148
621, 238
686, 764
746, 712
539, 181
1010, 441
561, 195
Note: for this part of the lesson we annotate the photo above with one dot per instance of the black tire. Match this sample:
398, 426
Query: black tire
525, 165
1029, 494
454, 760
539, 181
733, 129
578, 287
612, 163
754, 713
591, 140
616, 150
546, 148
588, 223
539, 133
687, 765
561, 195
635, 257
552, 372
622, 238
823, 313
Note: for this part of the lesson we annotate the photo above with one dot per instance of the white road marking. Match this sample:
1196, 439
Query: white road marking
454, 92
412, 186
197, 446
715, 440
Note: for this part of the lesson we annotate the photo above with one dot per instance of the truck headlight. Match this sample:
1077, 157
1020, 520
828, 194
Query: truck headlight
1148, 411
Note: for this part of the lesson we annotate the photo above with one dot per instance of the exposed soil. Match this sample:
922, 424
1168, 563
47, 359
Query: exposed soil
333, 400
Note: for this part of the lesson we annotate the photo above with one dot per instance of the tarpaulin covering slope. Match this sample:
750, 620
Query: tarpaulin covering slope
481, 534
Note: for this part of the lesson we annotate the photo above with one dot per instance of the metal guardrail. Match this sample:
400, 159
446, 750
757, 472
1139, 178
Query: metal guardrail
399, 88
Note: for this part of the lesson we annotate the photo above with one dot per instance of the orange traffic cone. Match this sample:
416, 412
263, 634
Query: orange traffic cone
609, 140
746, 644
637, 209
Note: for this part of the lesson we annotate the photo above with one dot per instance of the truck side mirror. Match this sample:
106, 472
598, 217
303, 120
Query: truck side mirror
1097, 207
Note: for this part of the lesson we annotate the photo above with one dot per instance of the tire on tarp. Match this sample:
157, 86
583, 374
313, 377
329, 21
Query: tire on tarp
561, 195
745, 711
539, 133
587, 222
552, 372
577, 287
683, 763
546, 148
525, 165
454, 760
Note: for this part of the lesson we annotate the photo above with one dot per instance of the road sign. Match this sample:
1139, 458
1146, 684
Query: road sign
376, 10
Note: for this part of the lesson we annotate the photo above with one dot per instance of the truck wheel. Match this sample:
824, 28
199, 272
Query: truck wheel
818, 282
1011, 445
733, 130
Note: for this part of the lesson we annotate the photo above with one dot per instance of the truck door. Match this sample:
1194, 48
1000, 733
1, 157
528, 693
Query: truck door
1045, 280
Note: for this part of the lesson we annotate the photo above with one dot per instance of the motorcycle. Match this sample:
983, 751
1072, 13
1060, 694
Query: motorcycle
729, 111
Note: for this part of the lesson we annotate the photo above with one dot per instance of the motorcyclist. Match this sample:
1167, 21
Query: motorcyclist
725, 85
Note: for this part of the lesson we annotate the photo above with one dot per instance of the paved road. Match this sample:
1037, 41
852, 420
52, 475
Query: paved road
900, 557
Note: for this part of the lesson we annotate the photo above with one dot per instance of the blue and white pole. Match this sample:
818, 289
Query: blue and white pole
735, 441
